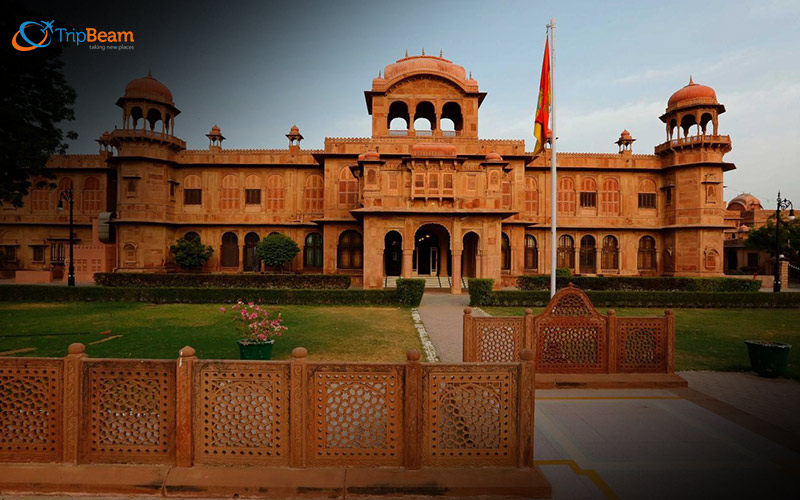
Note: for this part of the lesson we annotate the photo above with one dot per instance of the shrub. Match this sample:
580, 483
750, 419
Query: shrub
622, 283
409, 291
681, 299
479, 290
291, 281
47, 293
276, 250
191, 254
563, 272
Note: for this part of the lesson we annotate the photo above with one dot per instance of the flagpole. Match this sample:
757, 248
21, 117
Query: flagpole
553, 185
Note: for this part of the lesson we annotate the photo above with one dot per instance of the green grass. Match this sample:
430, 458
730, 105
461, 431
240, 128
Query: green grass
341, 333
713, 339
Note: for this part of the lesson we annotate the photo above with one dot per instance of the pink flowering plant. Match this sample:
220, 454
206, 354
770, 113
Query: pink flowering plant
256, 323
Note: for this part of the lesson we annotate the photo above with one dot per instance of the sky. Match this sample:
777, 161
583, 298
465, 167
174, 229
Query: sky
255, 69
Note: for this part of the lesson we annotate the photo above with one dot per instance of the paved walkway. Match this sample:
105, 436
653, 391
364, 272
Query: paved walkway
776, 401
443, 316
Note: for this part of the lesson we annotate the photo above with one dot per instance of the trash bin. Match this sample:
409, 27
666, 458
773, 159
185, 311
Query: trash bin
768, 359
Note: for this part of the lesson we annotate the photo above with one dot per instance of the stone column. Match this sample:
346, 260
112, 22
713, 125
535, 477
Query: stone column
784, 273
455, 283
408, 264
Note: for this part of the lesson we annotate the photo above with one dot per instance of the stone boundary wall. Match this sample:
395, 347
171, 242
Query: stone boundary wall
293, 414
570, 336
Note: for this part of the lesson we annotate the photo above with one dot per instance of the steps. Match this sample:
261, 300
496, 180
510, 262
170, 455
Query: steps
430, 281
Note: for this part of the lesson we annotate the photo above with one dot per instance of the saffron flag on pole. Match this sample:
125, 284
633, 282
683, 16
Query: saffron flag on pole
542, 122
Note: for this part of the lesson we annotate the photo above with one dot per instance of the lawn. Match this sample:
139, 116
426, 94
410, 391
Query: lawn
713, 339
339, 333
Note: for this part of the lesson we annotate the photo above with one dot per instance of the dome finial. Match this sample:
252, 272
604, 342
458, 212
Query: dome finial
440, 52
691, 82
149, 73
406, 52
423, 51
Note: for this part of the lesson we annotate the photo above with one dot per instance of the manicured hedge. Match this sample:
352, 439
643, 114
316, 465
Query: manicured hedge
409, 291
479, 290
46, 293
603, 299
655, 284
205, 280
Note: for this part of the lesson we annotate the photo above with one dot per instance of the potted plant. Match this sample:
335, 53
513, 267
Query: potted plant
258, 328
768, 359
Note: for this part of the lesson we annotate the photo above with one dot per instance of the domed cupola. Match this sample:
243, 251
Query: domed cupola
147, 106
692, 120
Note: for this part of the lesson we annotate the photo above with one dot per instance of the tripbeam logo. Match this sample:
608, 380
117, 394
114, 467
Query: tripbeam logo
28, 37
46, 29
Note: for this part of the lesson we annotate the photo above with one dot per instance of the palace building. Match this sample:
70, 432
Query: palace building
423, 196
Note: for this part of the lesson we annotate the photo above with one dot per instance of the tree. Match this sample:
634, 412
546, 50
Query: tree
36, 100
190, 253
763, 238
276, 250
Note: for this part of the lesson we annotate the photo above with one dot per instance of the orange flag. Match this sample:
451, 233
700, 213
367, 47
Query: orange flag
542, 122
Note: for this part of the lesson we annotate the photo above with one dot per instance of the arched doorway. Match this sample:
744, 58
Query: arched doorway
469, 257
393, 254
251, 262
432, 251
229, 256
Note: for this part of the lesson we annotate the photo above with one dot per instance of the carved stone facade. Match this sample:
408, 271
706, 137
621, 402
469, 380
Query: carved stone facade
423, 196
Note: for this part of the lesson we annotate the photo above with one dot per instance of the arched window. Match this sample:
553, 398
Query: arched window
452, 122
251, 262
252, 190
424, 119
687, 122
588, 193
505, 252
129, 254
229, 195
531, 252
348, 188
92, 196
588, 257
229, 256
566, 196
531, 195
566, 252
646, 260
647, 194
192, 190
609, 197
610, 257
398, 118
192, 236
350, 250
276, 193
40, 196
313, 196
711, 259
312, 251
705, 121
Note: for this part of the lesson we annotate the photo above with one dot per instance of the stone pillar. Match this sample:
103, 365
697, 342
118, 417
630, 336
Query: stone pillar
72, 401
408, 256
183, 408
412, 411
784, 273
525, 408
297, 409
455, 283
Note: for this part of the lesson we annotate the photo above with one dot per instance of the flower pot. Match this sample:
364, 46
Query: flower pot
768, 359
255, 350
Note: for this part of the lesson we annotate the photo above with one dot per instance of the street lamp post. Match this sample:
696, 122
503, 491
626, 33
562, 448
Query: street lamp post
783, 204
66, 195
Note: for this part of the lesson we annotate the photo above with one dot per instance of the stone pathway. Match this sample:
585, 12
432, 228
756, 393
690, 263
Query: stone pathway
776, 401
443, 316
